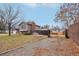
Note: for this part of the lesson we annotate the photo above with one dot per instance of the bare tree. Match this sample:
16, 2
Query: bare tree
68, 13
55, 28
2, 22
10, 15
46, 26
2, 25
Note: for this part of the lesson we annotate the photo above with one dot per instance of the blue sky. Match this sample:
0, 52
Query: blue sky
41, 13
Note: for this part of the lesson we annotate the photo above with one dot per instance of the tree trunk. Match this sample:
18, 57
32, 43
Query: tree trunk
66, 33
9, 27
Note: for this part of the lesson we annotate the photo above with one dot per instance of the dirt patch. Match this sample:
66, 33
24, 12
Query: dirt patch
40, 51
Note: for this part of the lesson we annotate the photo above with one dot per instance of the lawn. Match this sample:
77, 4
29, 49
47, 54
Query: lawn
15, 41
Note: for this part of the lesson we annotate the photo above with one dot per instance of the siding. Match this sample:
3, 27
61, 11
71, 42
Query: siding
23, 27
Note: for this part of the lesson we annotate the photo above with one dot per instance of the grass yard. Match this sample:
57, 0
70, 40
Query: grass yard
14, 41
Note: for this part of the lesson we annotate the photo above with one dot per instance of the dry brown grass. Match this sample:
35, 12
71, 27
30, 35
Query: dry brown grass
65, 47
57, 33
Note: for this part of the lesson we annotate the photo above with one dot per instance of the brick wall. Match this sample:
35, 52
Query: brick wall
73, 33
33, 26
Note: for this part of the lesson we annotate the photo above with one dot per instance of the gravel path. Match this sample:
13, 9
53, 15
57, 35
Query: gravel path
41, 47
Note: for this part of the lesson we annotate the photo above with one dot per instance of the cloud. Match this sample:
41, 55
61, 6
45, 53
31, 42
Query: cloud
49, 5
33, 5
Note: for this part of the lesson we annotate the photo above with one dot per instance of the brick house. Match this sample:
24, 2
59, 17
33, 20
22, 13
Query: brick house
32, 28
28, 27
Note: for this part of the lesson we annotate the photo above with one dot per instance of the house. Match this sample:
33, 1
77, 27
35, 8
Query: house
32, 28
28, 27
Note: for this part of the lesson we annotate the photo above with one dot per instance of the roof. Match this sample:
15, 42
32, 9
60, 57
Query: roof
29, 23
22, 23
42, 29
